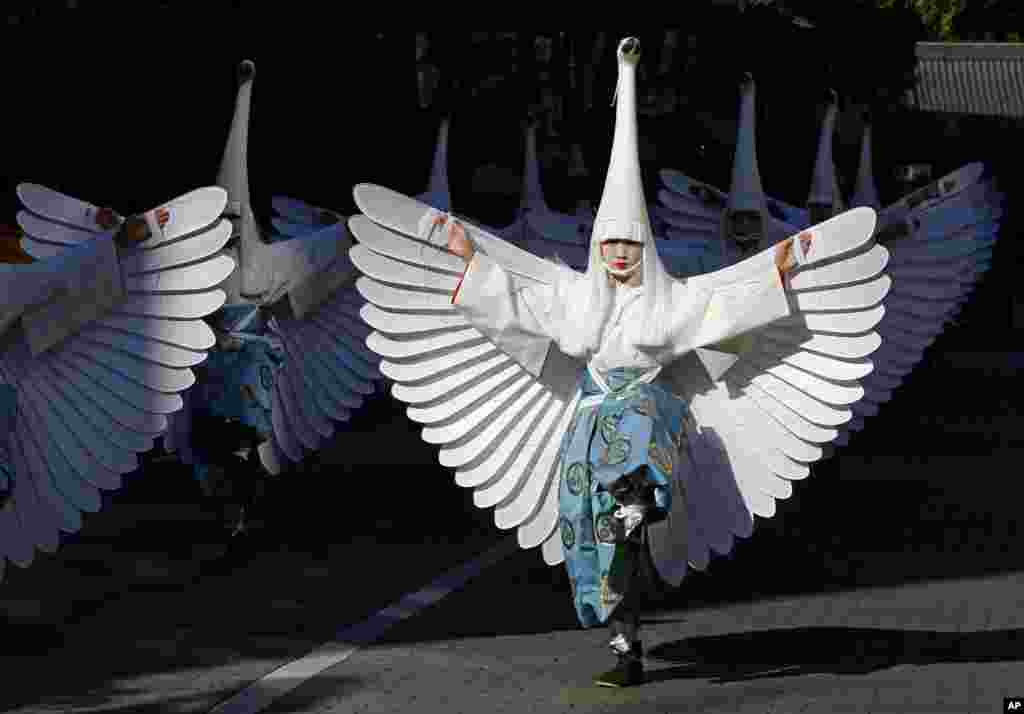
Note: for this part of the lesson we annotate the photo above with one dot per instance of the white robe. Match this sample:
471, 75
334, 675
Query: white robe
708, 309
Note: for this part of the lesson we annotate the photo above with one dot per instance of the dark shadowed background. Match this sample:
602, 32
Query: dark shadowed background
130, 106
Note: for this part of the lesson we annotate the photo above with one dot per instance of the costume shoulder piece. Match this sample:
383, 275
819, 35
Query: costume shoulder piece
328, 370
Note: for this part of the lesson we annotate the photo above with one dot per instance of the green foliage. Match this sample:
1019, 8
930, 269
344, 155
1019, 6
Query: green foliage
938, 16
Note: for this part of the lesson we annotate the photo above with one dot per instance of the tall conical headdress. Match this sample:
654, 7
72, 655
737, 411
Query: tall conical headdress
866, 194
622, 212
745, 191
249, 278
234, 172
823, 182
438, 189
532, 194
621, 215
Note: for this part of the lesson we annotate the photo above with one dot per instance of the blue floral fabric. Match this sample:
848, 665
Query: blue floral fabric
234, 387
237, 384
620, 448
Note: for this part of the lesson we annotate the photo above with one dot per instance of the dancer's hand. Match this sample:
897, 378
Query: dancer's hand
785, 260
135, 229
458, 242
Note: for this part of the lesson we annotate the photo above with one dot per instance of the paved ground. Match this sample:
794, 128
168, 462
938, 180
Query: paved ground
140, 631
853, 609
945, 647
886, 584
868, 595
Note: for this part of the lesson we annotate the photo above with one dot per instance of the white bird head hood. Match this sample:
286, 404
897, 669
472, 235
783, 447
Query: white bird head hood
825, 199
622, 214
438, 193
234, 178
745, 218
532, 196
866, 194
234, 173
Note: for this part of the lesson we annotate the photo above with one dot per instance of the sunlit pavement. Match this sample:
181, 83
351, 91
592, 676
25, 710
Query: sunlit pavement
883, 586
104, 627
944, 647
848, 608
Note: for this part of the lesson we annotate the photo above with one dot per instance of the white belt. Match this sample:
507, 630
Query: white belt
595, 399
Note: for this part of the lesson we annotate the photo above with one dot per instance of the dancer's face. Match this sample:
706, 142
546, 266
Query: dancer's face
621, 254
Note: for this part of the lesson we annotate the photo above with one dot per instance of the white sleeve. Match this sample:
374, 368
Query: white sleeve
707, 314
514, 318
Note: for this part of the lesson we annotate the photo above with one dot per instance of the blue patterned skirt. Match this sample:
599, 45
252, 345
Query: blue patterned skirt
232, 397
620, 448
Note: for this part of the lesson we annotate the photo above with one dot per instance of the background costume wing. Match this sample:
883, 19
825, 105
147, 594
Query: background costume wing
765, 404
55, 221
88, 404
937, 256
310, 317
693, 213
693, 216
788, 213
496, 423
939, 191
328, 370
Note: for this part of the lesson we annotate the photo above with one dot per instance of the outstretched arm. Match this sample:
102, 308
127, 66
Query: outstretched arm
134, 229
718, 306
515, 318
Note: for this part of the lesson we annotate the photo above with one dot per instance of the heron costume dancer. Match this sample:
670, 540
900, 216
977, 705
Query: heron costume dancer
231, 407
290, 359
609, 416
626, 441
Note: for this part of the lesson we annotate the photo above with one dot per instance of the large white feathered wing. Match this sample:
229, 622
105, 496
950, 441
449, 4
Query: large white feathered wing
496, 424
54, 221
786, 390
935, 263
328, 369
86, 406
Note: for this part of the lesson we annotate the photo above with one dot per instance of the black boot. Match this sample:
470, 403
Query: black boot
628, 672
